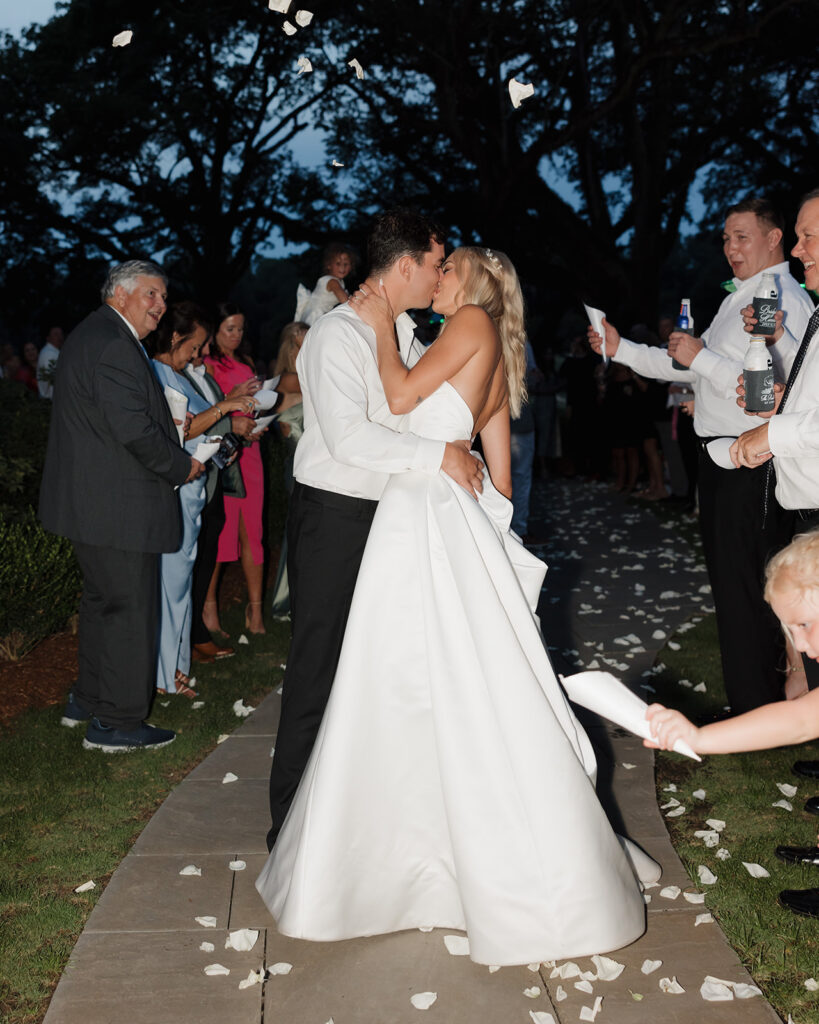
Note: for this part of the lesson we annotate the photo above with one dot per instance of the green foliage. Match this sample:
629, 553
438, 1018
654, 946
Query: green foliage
39, 584
24, 420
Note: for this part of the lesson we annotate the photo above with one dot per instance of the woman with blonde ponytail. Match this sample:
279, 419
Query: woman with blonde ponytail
450, 784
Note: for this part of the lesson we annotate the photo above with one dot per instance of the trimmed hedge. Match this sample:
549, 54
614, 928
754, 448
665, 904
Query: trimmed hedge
40, 584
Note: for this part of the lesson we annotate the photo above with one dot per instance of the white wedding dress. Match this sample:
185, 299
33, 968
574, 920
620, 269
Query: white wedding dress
450, 784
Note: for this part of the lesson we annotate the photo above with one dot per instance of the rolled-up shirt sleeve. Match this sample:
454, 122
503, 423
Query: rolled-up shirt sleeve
649, 361
794, 433
335, 376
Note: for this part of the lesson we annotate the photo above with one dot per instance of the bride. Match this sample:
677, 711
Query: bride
450, 784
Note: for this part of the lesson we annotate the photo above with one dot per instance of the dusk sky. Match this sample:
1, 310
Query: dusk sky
15, 16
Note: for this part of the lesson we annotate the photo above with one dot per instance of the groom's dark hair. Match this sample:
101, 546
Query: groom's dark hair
400, 232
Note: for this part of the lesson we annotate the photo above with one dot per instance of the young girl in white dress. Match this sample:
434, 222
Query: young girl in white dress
337, 263
450, 784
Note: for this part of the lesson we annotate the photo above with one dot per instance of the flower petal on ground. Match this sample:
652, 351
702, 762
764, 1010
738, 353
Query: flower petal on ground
423, 1000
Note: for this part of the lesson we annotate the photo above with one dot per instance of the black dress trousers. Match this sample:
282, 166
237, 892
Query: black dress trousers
119, 631
737, 548
213, 519
326, 536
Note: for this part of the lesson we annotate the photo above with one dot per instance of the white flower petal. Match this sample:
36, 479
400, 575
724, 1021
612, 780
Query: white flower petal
207, 921
207, 947
671, 986
289, 30
253, 978
786, 789
756, 870
541, 1017
607, 969
280, 968
715, 823
237, 865
811, 984
191, 869
715, 991
214, 969
242, 940
705, 875
670, 892
532, 993
723, 854
698, 794
694, 897
423, 1000
304, 66
650, 965
518, 92
457, 945
122, 38
561, 994
303, 18
242, 710
243, 639
354, 64
281, 6
786, 805
229, 777
86, 887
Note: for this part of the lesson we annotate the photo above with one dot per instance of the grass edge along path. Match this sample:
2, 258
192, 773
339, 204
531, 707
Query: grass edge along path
780, 949
68, 815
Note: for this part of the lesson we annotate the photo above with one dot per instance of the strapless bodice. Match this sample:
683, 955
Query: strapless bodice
444, 416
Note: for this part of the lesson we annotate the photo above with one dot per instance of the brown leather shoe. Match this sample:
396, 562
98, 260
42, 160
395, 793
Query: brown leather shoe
196, 655
212, 651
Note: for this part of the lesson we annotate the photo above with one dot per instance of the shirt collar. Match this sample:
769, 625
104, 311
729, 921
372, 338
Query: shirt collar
128, 324
777, 268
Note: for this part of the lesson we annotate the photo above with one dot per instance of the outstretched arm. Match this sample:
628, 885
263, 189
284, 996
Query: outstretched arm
773, 725
463, 336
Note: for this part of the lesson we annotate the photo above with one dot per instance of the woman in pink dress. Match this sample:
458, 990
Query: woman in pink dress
241, 537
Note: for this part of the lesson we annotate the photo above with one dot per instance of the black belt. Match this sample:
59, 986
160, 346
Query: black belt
705, 441
332, 499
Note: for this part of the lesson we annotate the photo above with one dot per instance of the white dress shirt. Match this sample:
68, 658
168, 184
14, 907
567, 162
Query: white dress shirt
713, 372
793, 437
352, 442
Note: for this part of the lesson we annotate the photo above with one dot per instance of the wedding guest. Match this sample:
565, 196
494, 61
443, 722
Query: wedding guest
522, 431
112, 463
47, 361
180, 336
219, 482
792, 588
337, 262
30, 356
231, 363
737, 540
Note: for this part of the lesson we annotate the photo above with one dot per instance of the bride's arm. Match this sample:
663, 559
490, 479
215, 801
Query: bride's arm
495, 439
465, 333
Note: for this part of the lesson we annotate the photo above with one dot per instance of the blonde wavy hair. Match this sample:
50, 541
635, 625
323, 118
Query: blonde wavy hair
796, 567
489, 280
289, 344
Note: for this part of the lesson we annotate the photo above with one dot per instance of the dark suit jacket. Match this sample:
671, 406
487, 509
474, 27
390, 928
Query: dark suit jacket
113, 454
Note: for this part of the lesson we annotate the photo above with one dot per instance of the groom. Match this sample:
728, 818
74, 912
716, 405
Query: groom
350, 446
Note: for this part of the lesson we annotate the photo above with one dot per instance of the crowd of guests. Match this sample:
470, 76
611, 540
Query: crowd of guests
657, 407
32, 366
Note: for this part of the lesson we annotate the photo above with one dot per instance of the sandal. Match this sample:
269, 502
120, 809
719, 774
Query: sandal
183, 685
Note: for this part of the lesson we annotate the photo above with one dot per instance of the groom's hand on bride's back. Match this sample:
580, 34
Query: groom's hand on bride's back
464, 468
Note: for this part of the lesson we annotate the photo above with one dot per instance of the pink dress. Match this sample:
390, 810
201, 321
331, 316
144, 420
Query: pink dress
228, 373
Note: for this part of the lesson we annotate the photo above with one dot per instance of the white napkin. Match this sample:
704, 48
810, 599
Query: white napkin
602, 693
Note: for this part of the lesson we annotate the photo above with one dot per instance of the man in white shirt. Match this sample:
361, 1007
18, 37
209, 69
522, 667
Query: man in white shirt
350, 447
737, 538
47, 361
791, 436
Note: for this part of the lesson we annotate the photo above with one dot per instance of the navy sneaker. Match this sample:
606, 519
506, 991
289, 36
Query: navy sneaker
111, 740
73, 714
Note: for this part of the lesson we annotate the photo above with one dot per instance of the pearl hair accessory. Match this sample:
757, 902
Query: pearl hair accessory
493, 259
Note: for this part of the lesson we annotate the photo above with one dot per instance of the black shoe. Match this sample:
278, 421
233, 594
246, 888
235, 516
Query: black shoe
801, 901
111, 740
808, 769
812, 805
798, 854
73, 713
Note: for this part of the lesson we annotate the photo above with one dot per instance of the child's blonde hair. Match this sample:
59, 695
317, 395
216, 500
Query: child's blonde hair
289, 343
796, 566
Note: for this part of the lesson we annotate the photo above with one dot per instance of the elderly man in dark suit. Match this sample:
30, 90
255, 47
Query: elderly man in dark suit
112, 464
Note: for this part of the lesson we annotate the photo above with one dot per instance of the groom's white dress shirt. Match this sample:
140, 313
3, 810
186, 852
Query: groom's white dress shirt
352, 443
714, 370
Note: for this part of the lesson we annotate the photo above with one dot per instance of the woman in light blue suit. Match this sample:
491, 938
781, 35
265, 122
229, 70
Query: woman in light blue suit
184, 330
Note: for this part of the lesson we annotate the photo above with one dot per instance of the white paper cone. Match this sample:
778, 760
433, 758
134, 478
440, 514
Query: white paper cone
270, 384
606, 696
178, 404
719, 452
266, 399
206, 450
596, 320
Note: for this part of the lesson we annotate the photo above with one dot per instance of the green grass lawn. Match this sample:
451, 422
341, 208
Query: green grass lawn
779, 948
68, 815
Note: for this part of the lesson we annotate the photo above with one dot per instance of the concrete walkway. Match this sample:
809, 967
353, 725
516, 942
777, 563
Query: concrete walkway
614, 572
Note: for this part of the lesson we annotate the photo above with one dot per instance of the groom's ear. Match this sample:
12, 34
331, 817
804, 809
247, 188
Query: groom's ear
405, 266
